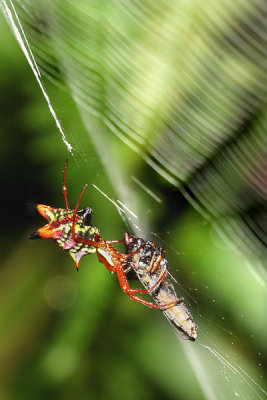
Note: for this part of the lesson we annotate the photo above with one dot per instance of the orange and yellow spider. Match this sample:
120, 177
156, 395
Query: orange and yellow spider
73, 231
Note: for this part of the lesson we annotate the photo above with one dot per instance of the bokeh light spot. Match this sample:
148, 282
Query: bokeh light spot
60, 293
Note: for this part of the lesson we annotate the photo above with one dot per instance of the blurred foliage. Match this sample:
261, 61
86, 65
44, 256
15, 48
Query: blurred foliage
66, 335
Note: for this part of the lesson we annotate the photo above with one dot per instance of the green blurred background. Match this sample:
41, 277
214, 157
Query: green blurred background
66, 335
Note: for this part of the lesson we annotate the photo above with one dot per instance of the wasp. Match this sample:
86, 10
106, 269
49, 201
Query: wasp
149, 264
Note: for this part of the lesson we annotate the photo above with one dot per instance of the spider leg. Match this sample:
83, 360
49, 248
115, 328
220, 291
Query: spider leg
162, 307
147, 291
73, 234
125, 256
128, 269
64, 187
112, 251
75, 237
103, 260
124, 284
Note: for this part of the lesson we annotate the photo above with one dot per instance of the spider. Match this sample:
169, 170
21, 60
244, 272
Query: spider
59, 227
73, 231
148, 262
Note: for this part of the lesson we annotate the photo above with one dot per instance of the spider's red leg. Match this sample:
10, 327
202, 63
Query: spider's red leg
126, 288
128, 269
162, 307
147, 291
103, 260
125, 256
73, 234
77, 238
75, 214
114, 241
64, 187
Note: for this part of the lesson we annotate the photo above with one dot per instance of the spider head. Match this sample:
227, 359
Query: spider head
59, 228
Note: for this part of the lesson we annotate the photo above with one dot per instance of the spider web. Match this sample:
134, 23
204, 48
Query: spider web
183, 84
